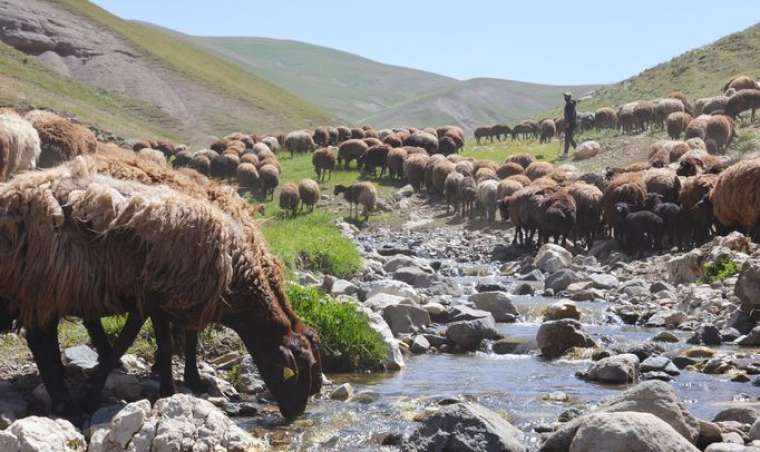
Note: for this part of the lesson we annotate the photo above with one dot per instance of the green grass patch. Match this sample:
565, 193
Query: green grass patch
348, 342
716, 272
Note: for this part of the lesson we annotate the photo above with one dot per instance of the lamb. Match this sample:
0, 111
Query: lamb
523, 160
539, 169
414, 170
441, 171
671, 214
19, 146
248, 177
736, 198
558, 217
374, 157
299, 141
62, 140
309, 193
467, 195
269, 179
588, 202
351, 150
664, 182
548, 130
642, 230
125, 216
321, 136
743, 100
664, 107
486, 193
363, 193
324, 161
451, 190
720, 130
482, 133
677, 123
153, 155
605, 118
395, 162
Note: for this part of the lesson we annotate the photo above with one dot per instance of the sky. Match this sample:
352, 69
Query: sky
550, 41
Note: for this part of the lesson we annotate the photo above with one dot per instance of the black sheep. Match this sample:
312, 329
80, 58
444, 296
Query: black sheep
643, 231
671, 215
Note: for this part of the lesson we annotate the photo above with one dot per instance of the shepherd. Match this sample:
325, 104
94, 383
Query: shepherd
571, 118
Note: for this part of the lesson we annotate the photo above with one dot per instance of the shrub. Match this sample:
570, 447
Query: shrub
719, 271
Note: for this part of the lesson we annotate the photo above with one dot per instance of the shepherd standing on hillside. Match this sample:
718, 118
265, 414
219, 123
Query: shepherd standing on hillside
570, 122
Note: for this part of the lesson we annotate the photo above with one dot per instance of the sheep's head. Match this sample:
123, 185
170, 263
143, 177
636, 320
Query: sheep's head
653, 200
340, 189
686, 168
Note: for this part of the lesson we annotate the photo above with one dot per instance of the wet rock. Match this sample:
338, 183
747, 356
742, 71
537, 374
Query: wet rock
617, 369
604, 281
659, 363
665, 336
414, 276
561, 279
35, 433
642, 350
656, 375
564, 309
552, 258
588, 295
752, 339
419, 345
698, 352
754, 432
628, 314
404, 318
505, 252
395, 263
505, 346
706, 335
365, 397
394, 360
748, 285
730, 447
405, 191
438, 312
556, 337
392, 250
464, 312
686, 268
489, 286
342, 392
524, 289
468, 334
249, 380
729, 334
742, 413
499, 304
80, 359
124, 386
465, 427
436, 340
741, 321
666, 318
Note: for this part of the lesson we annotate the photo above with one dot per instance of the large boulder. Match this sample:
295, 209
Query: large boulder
35, 433
179, 422
748, 285
617, 369
394, 360
390, 287
561, 279
405, 318
563, 309
751, 339
468, 334
587, 150
686, 268
465, 427
556, 337
414, 276
498, 303
552, 258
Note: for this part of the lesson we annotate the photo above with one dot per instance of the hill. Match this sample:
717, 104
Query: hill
136, 73
361, 91
701, 72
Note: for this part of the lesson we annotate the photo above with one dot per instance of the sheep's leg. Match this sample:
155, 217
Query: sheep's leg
162, 328
192, 376
43, 342
99, 340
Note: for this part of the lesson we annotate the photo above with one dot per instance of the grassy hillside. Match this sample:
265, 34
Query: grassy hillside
350, 86
699, 73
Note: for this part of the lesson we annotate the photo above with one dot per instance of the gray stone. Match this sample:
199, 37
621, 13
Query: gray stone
499, 304
561, 279
706, 335
506, 346
394, 360
730, 447
437, 311
604, 281
342, 392
404, 318
419, 345
468, 334
748, 285
524, 289
659, 363
80, 358
389, 287
754, 432
686, 268
414, 276
751, 339
665, 336
564, 309
35, 433
380, 301
552, 258
463, 312
12, 404
556, 337
399, 261
666, 318
343, 287
617, 369
659, 286
249, 381
744, 414
124, 386
465, 427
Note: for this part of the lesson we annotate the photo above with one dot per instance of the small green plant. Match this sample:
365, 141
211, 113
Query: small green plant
113, 325
719, 271
233, 375
348, 342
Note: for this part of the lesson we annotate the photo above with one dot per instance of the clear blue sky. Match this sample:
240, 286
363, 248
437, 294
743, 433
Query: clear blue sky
549, 41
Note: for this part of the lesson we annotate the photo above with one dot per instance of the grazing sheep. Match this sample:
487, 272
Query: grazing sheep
357, 133
526, 130
236, 147
467, 195
351, 150
465, 167
715, 104
694, 188
626, 117
431, 162
441, 170
248, 177
201, 163
486, 195
736, 198
447, 146
334, 136
373, 142
269, 179
524, 212
414, 170
509, 169
539, 169
410, 150
344, 133
308, 192
62, 140
250, 158
424, 140
676, 124
395, 162
220, 145
544, 182
299, 141
363, 193
739, 83
153, 155
501, 131
321, 136
597, 180
626, 188
289, 198
548, 130
230, 162
324, 161
374, 157
643, 114
697, 127
137, 147
684, 101
451, 190
247, 140
696, 161
588, 202
664, 107
558, 217
19, 146
483, 133
270, 161
743, 100
272, 143
523, 160
720, 129
664, 182
393, 141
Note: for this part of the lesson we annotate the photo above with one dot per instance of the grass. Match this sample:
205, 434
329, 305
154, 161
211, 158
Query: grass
348, 343
717, 272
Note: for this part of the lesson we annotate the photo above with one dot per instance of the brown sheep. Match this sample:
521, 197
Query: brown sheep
299, 141
524, 212
447, 146
539, 169
182, 159
351, 150
643, 113
684, 100
308, 192
478, 164
694, 188
676, 124
201, 163
441, 170
743, 100
605, 118
334, 136
548, 130
374, 157
720, 130
414, 170
736, 197
424, 140
219, 145
272, 143
558, 216
153, 155
612, 172
344, 133
664, 182
626, 117
521, 179
270, 161
247, 177
321, 136
483, 133
269, 177
588, 201
373, 142
393, 141
231, 162
715, 104
324, 161
486, 195
625, 187
410, 150
357, 133
451, 190
696, 161
739, 83
289, 198
664, 107
523, 160
485, 173
62, 140
697, 127
508, 187
509, 169
431, 163
395, 163
250, 158
465, 168
544, 182
363, 193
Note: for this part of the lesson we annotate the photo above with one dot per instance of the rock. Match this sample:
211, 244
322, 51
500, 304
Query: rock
617, 369
405, 191
740, 321
465, 427
134, 364
659, 363
80, 359
414, 276
564, 309
706, 335
464, 312
665, 336
698, 352
552, 258
180, 422
686, 268
524, 289
41, 397
35, 433
752, 339
343, 287
249, 381
730, 447
399, 261
505, 346
489, 286
394, 360
380, 301
729, 334
659, 286
754, 432
388, 287
709, 433
556, 337
12, 404
604, 281
587, 150
124, 386
468, 334
342, 392
499, 304
437, 311
561, 279
403, 318
419, 345
436, 340
748, 285
603, 247
666, 318
744, 414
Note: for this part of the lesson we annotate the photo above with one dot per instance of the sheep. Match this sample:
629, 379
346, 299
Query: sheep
695, 162
597, 180
715, 104
507, 187
524, 212
612, 172
482, 133
269, 179
250, 158
357, 133
324, 161
183, 270
509, 169
153, 155
374, 157
696, 143
270, 161
321, 136
623, 188
588, 202
687, 108
664, 107
666, 152
486, 173
62, 140
558, 217
35, 116
739, 83
230, 161
441, 170
451, 190
308, 192
395, 162
486, 195
299, 141
671, 214
465, 167
289, 199
523, 160
248, 177
664, 182
720, 130
424, 140
694, 188
697, 127
393, 141
642, 230
743, 100
501, 131
363, 193
560, 126
548, 130
344, 133
372, 142
19, 146
447, 146
247, 140
182, 159
736, 198
351, 150
643, 113
431, 163
414, 170
521, 179
333, 136
272, 143
410, 150
605, 118
676, 124
539, 169
137, 147
236, 147
626, 117
544, 182
201, 163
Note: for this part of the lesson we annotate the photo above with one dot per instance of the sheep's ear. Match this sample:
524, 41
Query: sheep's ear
288, 373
